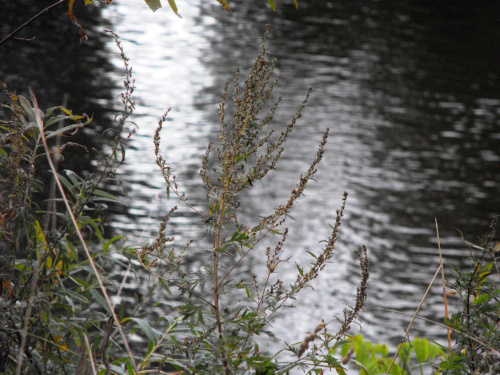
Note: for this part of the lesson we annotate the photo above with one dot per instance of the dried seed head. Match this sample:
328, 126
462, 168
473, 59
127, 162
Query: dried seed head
309, 338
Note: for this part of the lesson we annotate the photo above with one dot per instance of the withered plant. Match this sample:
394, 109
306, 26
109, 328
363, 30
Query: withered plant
212, 334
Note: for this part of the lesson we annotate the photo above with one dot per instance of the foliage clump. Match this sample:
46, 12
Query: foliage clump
476, 325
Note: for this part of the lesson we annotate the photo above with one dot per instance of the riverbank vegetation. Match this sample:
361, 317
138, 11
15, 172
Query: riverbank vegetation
63, 308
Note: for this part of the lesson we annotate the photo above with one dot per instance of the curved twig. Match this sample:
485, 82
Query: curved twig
39, 14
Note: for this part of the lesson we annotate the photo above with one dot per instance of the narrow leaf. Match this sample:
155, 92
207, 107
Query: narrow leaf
300, 269
154, 5
108, 243
151, 333
224, 4
66, 131
174, 7
105, 194
67, 184
273, 5
65, 110
130, 369
30, 112
100, 300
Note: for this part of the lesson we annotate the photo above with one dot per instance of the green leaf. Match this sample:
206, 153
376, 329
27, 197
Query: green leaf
421, 349
154, 5
345, 348
100, 300
405, 352
395, 370
104, 194
108, 243
296, 4
49, 111
434, 351
73, 177
174, 7
67, 130
482, 298
151, 333
242, 157
67, 184
75, 296
312, 254
362, 354
200, 317
382, 349
130, 368
377, 365
116, 369
273, 5
300, 269
93, 224
30, 112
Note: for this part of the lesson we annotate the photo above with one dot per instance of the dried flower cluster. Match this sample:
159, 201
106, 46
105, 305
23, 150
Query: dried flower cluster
310, 338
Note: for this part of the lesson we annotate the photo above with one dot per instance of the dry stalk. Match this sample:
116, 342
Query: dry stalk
444, 285
412, 320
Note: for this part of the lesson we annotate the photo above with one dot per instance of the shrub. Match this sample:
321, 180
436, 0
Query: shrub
476, 325
215, 335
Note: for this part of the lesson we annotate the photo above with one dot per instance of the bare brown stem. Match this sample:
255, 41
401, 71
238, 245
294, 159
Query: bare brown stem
413, 319
444, 285
38, 15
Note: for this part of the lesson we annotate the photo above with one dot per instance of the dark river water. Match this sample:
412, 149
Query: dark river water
409, 89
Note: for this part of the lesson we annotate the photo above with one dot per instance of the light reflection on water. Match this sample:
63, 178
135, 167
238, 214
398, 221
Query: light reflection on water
410, 94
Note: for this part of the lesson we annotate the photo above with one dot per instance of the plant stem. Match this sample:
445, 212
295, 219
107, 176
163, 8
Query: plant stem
218, 225
413, 319
4, 40
444, 286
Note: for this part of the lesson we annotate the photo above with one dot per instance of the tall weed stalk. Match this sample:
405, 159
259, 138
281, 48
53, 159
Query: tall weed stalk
213, 334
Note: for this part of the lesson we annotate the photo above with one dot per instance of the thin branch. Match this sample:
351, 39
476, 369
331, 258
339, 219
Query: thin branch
413, 319
446, 326
11, 35
444, 285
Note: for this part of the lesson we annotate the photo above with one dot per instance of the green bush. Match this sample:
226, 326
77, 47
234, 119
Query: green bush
476, 325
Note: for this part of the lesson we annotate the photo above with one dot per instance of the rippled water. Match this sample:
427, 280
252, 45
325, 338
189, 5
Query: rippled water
410, 93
